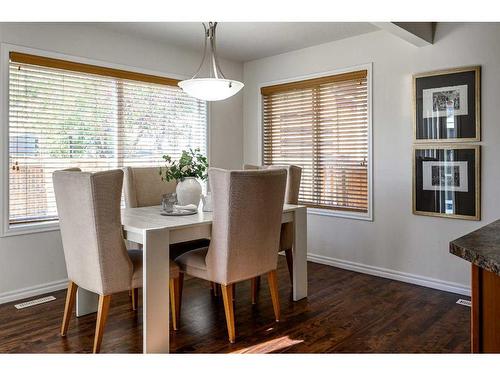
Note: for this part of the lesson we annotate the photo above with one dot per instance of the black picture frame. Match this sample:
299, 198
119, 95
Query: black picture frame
446, 181
447, 105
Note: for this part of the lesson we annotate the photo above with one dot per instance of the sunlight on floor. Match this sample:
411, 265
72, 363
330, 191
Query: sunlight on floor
270, 346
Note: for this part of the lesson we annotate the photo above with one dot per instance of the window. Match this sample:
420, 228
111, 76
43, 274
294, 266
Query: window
64, 114
322, 125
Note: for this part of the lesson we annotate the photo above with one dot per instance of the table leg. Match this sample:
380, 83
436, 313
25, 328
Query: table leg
86, 302
300, 254
155, 291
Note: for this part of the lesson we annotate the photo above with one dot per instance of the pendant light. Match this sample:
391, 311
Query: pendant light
216, 86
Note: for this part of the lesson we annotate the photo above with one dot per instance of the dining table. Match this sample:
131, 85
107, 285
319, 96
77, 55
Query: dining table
146, 226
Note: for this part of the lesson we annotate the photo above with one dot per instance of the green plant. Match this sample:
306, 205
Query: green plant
192, 163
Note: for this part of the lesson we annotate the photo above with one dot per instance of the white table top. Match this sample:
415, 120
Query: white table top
142, 218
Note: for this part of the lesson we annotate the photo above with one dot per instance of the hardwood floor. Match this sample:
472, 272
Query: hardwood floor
346, 312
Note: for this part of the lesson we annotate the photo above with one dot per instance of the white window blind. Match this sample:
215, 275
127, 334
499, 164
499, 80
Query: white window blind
321, 125
92, 119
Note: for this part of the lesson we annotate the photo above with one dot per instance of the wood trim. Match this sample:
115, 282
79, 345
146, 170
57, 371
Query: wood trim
485, 325
49, 62
308, 83
475, 327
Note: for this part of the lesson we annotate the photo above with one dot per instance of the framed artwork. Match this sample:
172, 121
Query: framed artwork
447, 105
446, 181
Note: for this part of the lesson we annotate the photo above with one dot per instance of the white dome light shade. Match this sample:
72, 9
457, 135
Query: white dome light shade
216, 86
210, 89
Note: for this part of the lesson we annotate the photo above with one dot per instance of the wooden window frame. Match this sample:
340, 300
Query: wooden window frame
68, 65
315, 78
81, 64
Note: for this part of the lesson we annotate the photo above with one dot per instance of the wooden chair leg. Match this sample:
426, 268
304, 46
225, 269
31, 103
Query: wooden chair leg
102, 316
175, 301
254, 290
289, 262
68, 308
227, 296
273, 288
135, 298
215, 288
181, 287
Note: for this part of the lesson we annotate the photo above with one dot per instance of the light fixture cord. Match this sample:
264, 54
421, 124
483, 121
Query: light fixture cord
204, 51
212, 48
210, 34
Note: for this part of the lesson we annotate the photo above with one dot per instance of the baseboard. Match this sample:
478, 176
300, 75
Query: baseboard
429, 282
36, 290
392, 274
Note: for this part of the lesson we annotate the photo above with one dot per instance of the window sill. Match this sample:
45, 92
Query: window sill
22, 229
340, 214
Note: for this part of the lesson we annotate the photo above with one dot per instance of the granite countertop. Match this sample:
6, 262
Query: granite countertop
481, 247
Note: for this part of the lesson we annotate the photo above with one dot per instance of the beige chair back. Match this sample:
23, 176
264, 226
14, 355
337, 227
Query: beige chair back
293, 177
88, 205
248, 207
144, 187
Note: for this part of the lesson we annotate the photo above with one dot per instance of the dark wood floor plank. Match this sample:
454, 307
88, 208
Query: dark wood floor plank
346, 312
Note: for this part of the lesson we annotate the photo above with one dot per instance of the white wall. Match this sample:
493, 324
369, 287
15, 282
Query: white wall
36, 260
397, 241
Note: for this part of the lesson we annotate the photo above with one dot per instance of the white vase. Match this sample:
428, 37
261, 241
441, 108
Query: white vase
188, 191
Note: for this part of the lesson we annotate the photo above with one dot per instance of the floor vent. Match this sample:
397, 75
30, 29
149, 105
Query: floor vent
464, 302
34, 302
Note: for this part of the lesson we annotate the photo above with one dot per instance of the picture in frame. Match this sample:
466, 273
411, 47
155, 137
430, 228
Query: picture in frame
446, 181
446, 105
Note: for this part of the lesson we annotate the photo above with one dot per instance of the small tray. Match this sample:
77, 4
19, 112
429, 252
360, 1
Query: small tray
179, 213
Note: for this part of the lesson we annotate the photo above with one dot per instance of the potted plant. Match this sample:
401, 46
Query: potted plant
192, 165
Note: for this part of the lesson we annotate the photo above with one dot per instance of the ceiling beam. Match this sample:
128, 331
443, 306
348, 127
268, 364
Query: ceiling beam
419, 34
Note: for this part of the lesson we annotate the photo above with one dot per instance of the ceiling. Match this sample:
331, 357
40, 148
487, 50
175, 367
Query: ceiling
244, 41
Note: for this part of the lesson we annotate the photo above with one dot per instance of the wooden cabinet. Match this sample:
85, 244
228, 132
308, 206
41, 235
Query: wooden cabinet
485, 312
482, 249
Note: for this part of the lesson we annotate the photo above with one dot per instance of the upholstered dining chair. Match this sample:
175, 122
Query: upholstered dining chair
247, 211
143, 187
97, 260
291, 197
